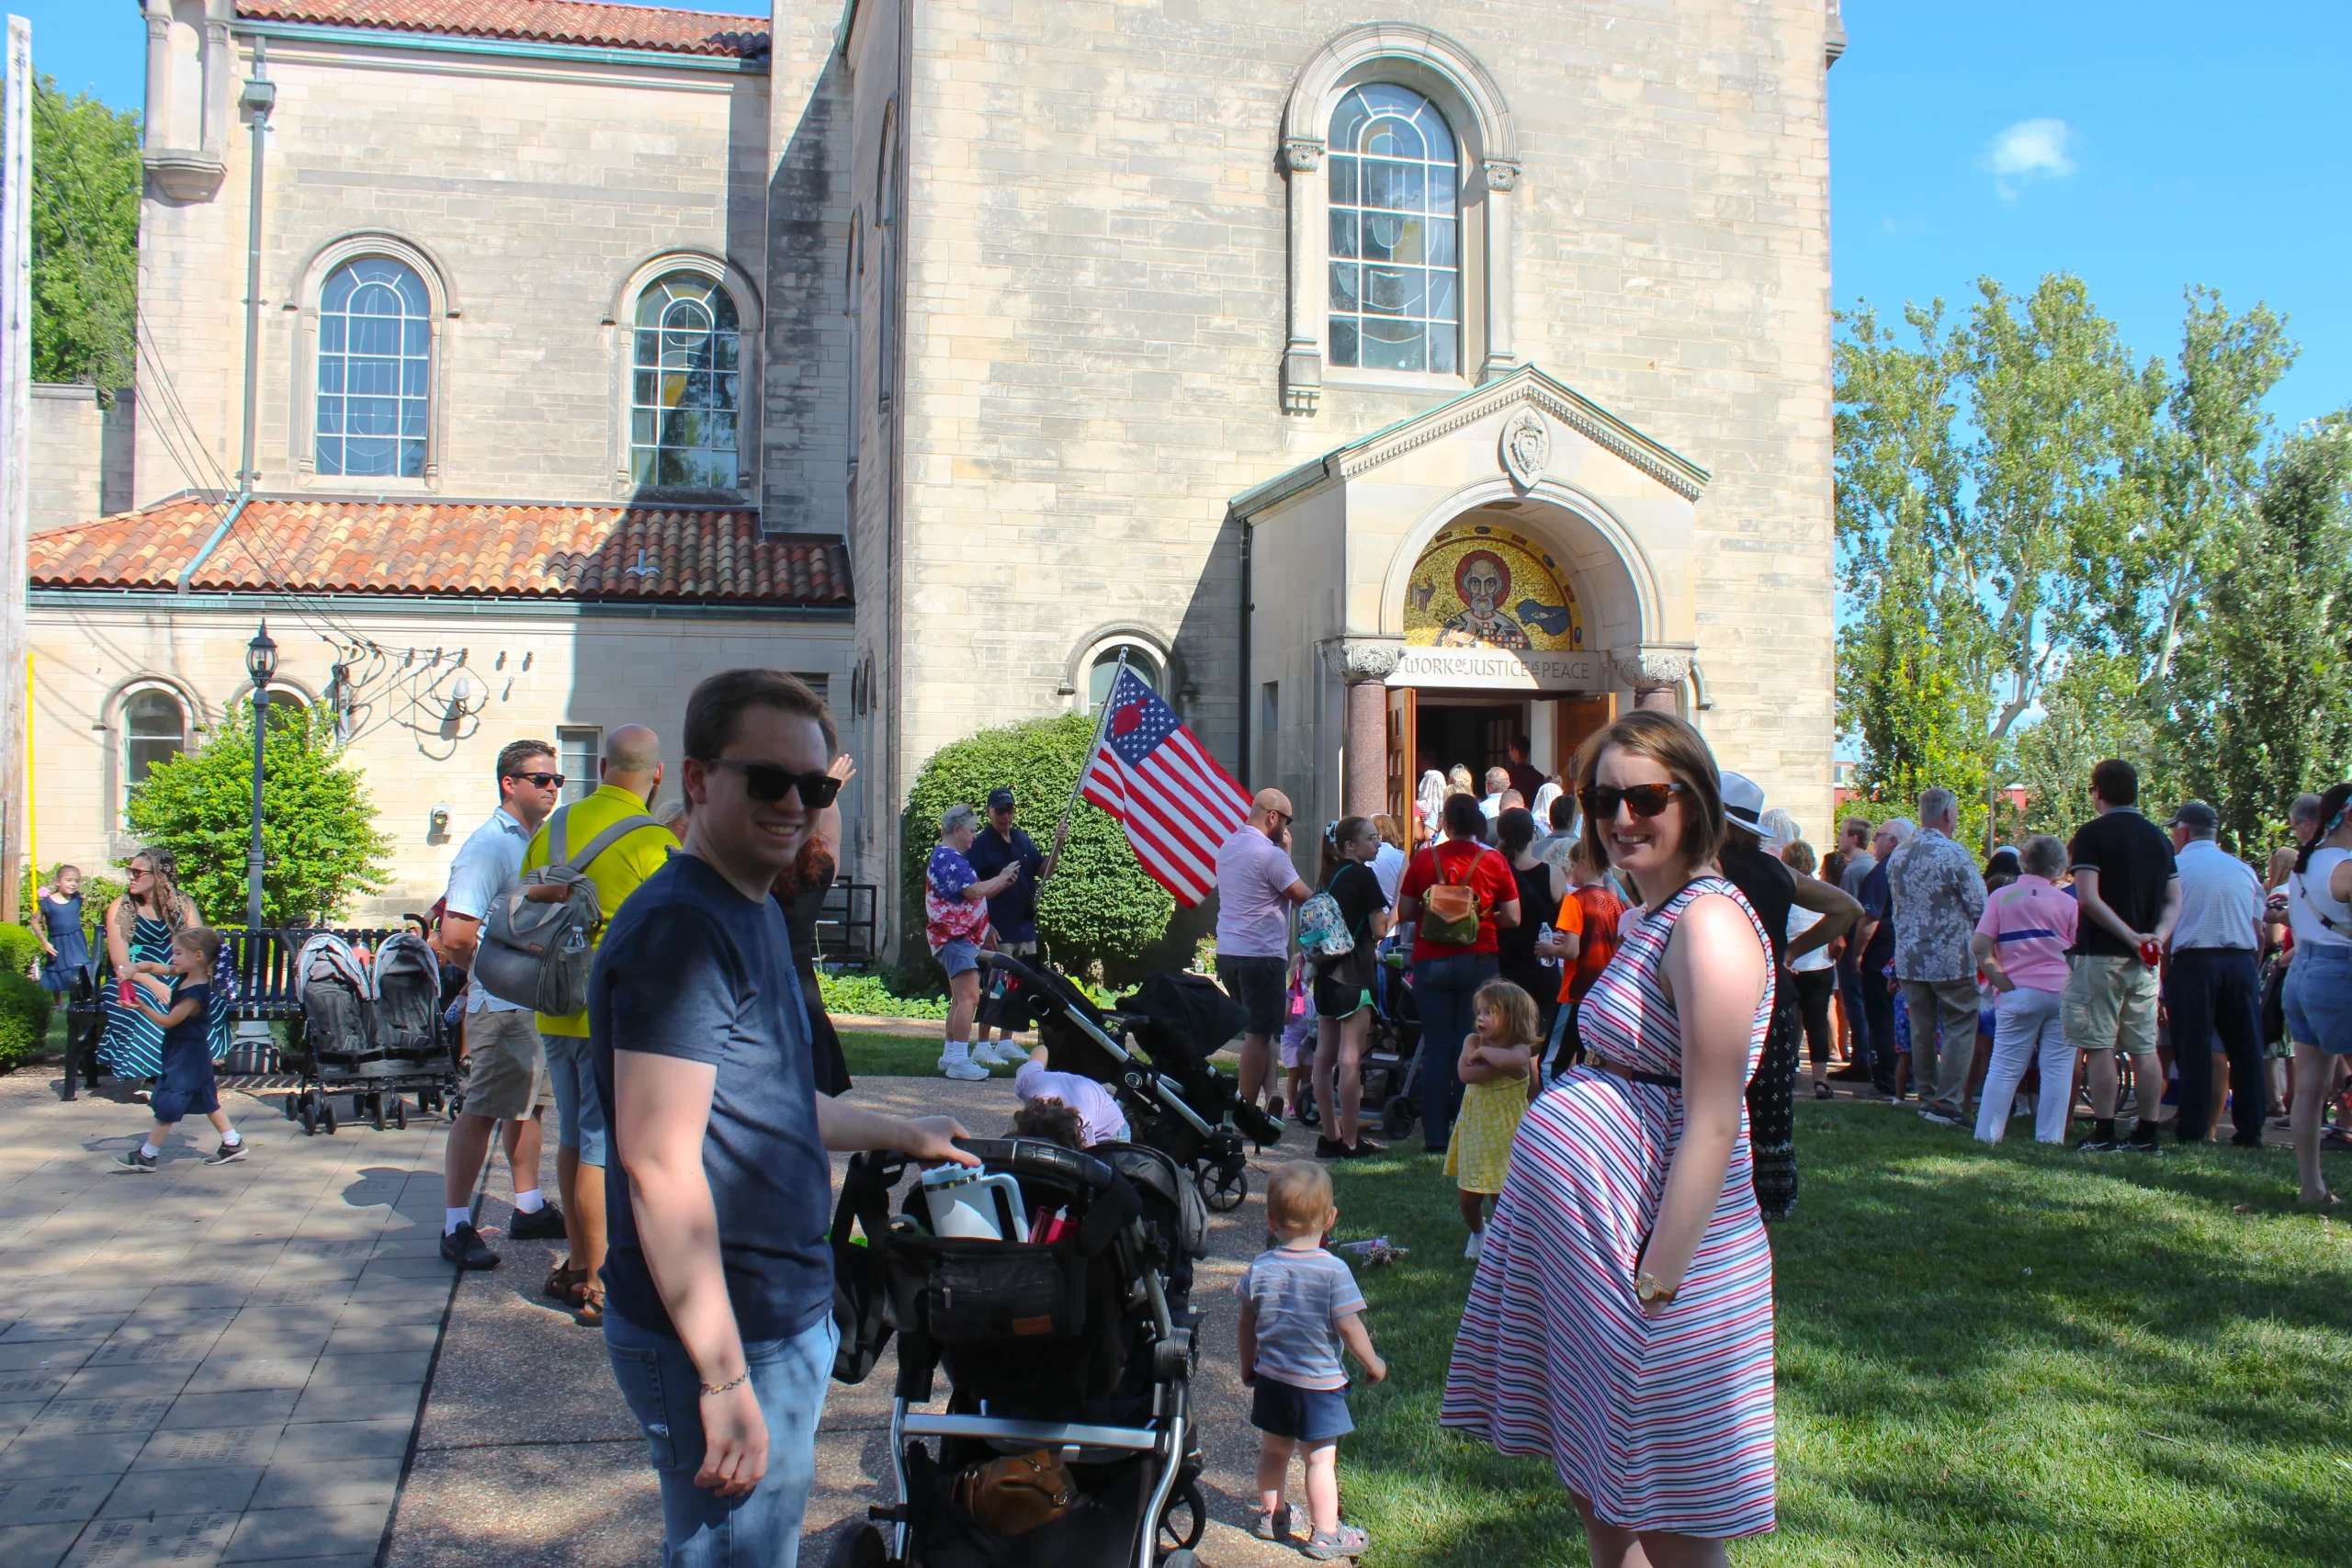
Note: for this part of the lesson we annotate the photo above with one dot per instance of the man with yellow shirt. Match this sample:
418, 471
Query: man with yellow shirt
631, 772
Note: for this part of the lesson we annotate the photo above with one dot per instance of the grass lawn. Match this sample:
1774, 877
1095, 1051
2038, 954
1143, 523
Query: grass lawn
872, 1055
2011, 1355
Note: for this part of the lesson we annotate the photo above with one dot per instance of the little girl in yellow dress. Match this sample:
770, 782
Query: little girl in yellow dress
1496, 1067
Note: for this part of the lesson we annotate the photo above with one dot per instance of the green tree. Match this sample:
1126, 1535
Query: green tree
1989, 473
2091, 711
1098, 906
2260, 697
1919, 725
319, 834
87, 182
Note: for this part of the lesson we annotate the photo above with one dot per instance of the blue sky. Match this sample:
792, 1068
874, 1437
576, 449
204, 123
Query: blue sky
2145, 146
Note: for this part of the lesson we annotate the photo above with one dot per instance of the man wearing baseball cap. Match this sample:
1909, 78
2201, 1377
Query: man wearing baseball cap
2212, 987
1013, 913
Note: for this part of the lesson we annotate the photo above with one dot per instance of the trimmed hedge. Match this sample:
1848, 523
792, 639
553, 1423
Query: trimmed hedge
24, 1019
1099, 907
19, 950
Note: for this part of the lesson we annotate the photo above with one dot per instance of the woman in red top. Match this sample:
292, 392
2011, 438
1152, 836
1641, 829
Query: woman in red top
1447, 975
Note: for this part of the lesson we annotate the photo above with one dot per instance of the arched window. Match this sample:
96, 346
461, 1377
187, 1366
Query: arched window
1395, 291
687, 385
155, 730
1105, 670
375, 371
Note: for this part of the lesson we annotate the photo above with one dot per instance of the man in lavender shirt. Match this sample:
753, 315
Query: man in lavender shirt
1256, 887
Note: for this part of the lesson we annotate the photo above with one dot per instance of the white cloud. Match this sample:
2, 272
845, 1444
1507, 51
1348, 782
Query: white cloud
2028, 151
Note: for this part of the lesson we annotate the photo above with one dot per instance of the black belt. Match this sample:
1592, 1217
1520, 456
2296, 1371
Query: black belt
1606, 1065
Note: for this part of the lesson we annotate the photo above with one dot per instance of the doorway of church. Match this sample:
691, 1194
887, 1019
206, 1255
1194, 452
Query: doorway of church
1438, 729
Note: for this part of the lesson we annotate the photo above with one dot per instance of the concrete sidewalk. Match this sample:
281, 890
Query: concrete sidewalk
209, 1365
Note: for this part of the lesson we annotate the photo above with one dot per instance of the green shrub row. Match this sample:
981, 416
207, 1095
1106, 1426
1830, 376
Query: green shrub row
873, 996
25, 1008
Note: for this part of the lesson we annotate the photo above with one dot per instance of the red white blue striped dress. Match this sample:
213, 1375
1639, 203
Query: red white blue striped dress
1664, 1425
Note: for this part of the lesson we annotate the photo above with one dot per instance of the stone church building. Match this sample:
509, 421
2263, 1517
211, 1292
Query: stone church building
1384, 383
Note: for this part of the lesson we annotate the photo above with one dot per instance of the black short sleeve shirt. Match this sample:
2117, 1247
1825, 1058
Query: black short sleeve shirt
2134, 859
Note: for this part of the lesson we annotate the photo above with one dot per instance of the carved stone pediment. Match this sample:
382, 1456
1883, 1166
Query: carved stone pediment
1526, 447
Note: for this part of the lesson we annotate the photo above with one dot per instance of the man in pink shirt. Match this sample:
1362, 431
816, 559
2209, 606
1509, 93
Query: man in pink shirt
2020, 943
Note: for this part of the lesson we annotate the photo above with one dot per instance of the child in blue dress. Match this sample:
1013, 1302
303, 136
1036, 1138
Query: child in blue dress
179, 1008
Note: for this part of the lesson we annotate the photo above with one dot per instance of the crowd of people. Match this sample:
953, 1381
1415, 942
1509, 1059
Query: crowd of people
1617, 975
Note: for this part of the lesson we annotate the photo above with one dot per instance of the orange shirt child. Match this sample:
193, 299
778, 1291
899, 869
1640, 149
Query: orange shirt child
1590, 913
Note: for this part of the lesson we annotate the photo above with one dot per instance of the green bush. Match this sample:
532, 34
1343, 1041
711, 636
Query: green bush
873, 996
24, 1019
1099, 907
19, 950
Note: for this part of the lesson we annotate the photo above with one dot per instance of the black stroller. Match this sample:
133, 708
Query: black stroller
1391, 1063
1153, 1052
371, 1028
1080, 1344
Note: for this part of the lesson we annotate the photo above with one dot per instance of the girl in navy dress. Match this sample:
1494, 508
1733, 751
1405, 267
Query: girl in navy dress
180, 1007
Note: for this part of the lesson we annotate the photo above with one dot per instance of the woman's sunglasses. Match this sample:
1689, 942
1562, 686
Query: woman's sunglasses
1600, 801
766, 782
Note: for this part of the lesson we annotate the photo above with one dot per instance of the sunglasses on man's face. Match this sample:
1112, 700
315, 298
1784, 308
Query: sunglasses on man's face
543, 781
1600, 801
767, 783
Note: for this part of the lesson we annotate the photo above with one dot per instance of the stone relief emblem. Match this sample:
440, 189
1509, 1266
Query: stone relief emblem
1527, 446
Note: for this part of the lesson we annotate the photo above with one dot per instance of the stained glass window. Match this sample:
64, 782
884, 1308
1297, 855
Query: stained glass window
375, 371
686, 386
1396, 301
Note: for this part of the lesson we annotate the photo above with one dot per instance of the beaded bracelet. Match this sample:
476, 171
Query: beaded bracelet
708, 1389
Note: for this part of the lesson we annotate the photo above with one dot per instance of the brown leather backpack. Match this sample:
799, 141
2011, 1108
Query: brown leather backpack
1014, 1494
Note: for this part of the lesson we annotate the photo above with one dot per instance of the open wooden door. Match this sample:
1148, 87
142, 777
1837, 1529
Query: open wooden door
1574, 721
1404, 724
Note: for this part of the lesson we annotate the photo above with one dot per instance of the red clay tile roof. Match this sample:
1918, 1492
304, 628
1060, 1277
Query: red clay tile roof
546, 21
469, 550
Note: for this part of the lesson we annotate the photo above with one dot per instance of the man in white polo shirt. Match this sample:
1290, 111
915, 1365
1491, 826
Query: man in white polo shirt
2212, 987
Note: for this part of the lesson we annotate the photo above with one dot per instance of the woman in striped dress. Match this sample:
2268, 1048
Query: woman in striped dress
139, 930
1621, 1319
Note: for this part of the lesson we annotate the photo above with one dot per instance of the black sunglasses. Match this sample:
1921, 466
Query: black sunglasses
1600, 801
545, 780
767, 783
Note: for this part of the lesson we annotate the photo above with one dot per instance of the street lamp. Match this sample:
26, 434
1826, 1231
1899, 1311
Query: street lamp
261, 664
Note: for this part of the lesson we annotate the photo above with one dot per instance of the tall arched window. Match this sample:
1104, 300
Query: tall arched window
1396, 300
687, 385
1105, 670
375, 371
155, 730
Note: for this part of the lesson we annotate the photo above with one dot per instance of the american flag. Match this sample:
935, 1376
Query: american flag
1176, 804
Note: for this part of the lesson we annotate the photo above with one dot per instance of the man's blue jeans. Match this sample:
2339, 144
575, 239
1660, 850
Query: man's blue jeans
699, 1529
1442, 990
1858, 1019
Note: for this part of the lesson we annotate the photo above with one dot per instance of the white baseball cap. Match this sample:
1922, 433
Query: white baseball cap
1743, 803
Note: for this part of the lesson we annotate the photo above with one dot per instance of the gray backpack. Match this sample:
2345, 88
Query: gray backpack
536, 937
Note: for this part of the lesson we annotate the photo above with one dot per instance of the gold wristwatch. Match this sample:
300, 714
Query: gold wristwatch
1648, 1292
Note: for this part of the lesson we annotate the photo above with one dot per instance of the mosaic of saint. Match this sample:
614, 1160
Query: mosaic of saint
1478, 586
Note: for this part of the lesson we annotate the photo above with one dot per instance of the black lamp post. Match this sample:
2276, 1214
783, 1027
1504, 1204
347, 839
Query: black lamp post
261, 664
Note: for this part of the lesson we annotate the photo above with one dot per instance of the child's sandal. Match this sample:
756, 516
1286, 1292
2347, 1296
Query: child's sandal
590, 1313
1346, 1541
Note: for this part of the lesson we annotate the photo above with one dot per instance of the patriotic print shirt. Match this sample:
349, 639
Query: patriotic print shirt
948, 916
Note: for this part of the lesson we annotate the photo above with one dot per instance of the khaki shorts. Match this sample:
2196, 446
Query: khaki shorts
506, 1066
2109, 1004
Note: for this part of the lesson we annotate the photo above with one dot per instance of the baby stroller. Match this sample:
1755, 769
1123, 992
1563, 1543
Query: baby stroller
371, 1026
1079, 1346
1174, 1101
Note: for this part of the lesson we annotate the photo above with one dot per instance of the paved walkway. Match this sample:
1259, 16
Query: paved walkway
209, 1365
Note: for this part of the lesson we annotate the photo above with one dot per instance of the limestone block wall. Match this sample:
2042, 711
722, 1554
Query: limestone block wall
1095, 314
536, 671
529, 191
68, 455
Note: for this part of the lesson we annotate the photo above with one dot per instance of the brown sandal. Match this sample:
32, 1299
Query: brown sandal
564, 1283
590, 1312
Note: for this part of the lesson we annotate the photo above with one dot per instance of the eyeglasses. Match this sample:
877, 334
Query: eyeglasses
767, 783
1600, 801
545, 780
138, 871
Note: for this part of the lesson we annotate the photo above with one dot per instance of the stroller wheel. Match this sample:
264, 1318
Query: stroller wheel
291, 1107
860, 1546
1396, 1118
1181, 1524
1304, 1110
1224, 1189
326, 1115
399, 1115
309, 1118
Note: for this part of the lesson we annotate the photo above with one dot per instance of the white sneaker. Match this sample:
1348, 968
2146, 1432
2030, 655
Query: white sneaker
1477, 1240
998, 1054
961, 1067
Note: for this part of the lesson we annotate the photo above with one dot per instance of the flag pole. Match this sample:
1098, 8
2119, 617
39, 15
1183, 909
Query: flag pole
1102, 726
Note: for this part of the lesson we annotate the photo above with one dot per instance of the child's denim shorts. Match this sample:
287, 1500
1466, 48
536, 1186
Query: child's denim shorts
1309, 1415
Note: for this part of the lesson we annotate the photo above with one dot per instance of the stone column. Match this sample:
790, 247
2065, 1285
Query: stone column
1502, 178
1303, 353
1365, 664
